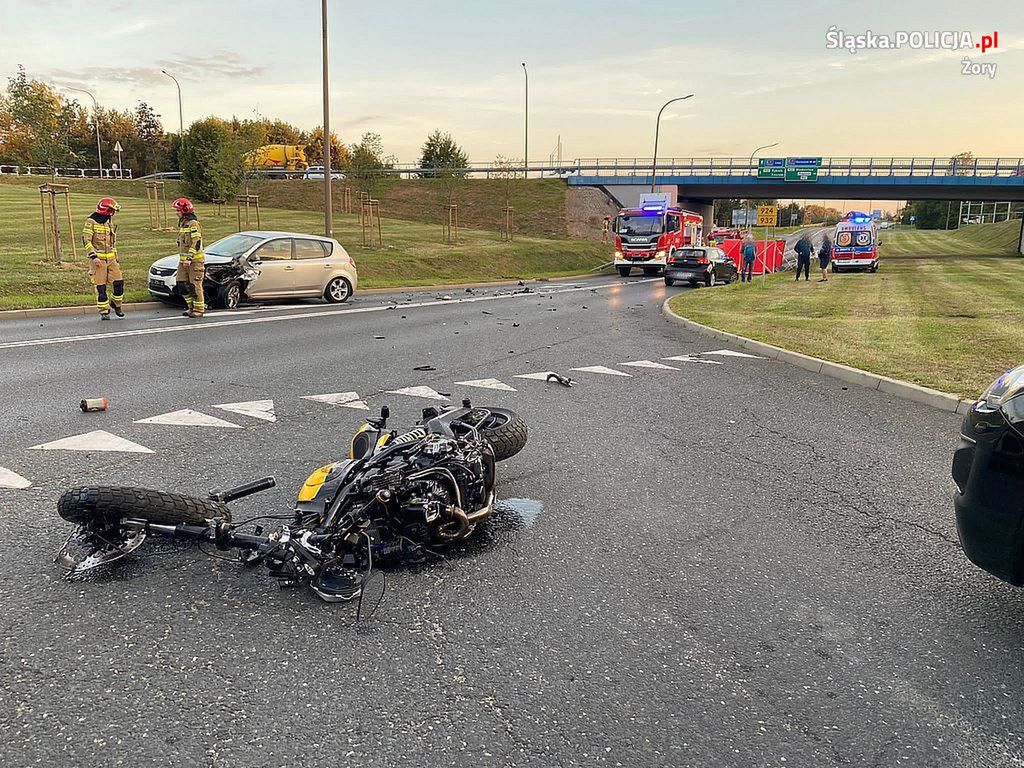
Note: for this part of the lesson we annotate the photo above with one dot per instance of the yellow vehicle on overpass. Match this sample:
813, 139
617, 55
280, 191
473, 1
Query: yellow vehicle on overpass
277, 157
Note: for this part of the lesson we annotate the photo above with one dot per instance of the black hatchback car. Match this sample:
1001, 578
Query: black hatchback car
988, 469
696, 265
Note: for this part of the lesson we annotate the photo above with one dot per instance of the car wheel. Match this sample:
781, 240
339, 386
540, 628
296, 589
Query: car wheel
230, 295
338, 291
624, 271
669, 282
710, 280
693, 283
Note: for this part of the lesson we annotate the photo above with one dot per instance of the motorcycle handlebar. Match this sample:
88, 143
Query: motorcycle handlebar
246, 489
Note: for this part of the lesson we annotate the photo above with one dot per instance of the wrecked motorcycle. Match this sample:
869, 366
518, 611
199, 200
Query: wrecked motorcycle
397, 496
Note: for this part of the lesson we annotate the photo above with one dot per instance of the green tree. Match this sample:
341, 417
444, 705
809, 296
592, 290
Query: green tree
152, 145
441, 156
43, 119
367, 162
211, 159
340, 155
932, 214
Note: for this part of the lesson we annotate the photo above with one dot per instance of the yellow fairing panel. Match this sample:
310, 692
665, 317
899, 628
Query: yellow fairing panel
311, 487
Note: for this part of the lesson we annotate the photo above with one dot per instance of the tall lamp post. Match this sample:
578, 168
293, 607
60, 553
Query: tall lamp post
96, 116
750, 163
181, 114
328, 203
526, 122
657, 130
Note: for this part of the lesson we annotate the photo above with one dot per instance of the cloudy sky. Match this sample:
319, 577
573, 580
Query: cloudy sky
599, 71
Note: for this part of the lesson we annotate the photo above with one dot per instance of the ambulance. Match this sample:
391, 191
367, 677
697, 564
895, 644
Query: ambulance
855, 244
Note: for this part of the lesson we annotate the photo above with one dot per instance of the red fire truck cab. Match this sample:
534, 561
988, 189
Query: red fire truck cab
645, 236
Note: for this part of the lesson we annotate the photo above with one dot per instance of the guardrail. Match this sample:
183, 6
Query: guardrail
65, 173
830, 166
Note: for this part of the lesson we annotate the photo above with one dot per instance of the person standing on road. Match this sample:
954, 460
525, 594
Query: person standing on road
191, 261
824, 257
749, 252
804, 248
99, 236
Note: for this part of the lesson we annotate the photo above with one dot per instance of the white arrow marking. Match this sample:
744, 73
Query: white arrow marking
651, 364
426, 392
344, 399
602, 369
186, 417
540, 375
487, 384
9, 479
98, 440
258, 409
689, 359
730, 353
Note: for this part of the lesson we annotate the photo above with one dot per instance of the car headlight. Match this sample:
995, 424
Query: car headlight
618, 254
660, 255
1007, 394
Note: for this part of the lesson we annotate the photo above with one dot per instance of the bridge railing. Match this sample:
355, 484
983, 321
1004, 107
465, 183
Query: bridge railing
830, 166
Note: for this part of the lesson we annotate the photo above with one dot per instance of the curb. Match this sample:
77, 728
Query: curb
903, 389
29, 314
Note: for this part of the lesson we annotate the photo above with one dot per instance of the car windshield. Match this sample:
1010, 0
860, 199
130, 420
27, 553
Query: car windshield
640, 225
233, 245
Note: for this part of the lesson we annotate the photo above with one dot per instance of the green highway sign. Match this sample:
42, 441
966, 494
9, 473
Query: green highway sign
802, 168
771, 168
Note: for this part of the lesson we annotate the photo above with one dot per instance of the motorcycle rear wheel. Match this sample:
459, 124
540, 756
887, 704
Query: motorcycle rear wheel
112, 502
506, 432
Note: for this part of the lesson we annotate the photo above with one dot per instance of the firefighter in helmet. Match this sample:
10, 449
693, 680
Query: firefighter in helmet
191, 262
99, 236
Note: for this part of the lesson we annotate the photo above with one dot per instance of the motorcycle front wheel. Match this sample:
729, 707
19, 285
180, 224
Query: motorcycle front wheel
506, 432
112, 502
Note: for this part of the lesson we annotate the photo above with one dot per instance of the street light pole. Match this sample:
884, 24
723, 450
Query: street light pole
526, 123
96, 115
657, 130
328, 203
181, 114
749, 209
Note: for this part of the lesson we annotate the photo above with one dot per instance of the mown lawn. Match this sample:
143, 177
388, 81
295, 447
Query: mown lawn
943, 310
413, 253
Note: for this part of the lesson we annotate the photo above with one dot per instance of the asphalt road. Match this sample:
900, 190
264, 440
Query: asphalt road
737, 564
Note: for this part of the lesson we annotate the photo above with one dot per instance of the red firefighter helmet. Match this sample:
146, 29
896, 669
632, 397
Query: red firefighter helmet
183, 205
107, 206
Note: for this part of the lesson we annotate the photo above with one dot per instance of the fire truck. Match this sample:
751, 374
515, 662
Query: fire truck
855, 245
646, 235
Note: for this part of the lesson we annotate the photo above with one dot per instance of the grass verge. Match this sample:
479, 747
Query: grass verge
412, 252
943, 311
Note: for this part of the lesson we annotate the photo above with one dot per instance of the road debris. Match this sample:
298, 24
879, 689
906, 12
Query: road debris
92, 404
425, 367
565, 381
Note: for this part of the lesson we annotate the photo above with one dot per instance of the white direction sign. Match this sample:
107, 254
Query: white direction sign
186, 417
99, 440
257, 409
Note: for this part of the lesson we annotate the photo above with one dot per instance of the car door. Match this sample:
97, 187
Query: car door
725, 270
277, 270
311, 267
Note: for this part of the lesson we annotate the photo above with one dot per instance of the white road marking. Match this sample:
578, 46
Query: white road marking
651, 364
540, 375
730, 353
602, 369
99, 440
11, 479
487, 384
186, 417
203, 325
691, 359
426, 392
344, 399
258, 409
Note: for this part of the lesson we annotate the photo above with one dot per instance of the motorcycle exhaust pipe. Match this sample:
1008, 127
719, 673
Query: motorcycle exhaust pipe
484, 512
460, 520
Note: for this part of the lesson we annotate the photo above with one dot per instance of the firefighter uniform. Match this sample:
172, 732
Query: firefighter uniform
191, 264
99, 236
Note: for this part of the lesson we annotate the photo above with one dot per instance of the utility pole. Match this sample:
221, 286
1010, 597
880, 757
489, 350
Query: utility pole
181, 114
526, 123
96, 115
328, 204
657, 130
